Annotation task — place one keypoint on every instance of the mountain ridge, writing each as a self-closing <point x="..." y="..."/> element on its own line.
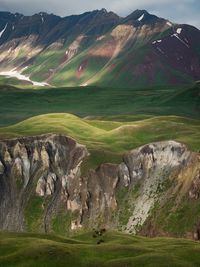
<point x="99" y="48"/>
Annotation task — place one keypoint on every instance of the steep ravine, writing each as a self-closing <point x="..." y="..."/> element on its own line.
<point x="42" y="188"/>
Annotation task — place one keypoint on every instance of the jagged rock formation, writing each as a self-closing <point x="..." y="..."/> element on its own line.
<point x="156" y="168"/>
<point x="35" y="165"/>
<point x="42" y="187"/>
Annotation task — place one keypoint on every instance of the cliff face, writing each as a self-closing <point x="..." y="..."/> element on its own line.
<point x="156" y="173"/>
<point x="35" y="166"/>
<point x="42" y="188"/>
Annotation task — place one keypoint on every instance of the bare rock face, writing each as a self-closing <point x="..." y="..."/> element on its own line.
<point x="42" y="187"/>
<point x="151" y="168"/>
<point x="34" y="166"/>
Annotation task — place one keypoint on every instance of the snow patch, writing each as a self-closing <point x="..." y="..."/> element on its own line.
<point x="16" y="74"/>
<point x="179" y="30"/>
<point x="157" y="41"/>
<point x="169" y="24"/>
<point x="1" y="33"/>
<point x="141" y="17"/>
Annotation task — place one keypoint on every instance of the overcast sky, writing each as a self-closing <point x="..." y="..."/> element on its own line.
<point x="181" y="11"/>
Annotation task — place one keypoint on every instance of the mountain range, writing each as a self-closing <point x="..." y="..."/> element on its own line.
<point x="98" y="48"/>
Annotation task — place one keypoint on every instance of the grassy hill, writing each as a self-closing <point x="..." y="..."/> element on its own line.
<point x="117" y="250"/>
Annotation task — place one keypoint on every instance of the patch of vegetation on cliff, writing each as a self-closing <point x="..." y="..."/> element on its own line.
<point x="180" y="220"/>
<point x="125" y="198"/>
<point x="19" y="182"/>
<point x="34" y="213"/>
<point x="61" y="223"/>
<point x="124" y="212"/>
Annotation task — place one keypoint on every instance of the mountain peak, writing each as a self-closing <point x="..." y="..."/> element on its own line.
<point x="104" y="10"/>
<point x="136" y="15"/>
<point x="140" y="11"/>
<point x="141" y="16"/>
<point x="104" y="14"/>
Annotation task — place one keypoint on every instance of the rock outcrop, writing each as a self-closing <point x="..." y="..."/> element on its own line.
<point x="41" y="183"/>
<point x="35" y="166"/>
<point x="154" y="169"/>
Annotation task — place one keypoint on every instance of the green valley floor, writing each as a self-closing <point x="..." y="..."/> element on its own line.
<point x="116" y="250"/>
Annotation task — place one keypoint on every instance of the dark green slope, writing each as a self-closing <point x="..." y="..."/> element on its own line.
<point x="18" y="104"/>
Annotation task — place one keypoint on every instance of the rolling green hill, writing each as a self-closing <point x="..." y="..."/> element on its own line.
<point x="117" y="250"/>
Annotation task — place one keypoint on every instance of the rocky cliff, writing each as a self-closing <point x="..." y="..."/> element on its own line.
<point x="42" y="187"/>
<point x="36" y="166"/>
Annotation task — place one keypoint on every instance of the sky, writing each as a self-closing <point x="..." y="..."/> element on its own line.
<point x="179" y="11"/>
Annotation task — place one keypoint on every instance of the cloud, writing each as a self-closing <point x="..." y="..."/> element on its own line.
<point x="183" y="11"/>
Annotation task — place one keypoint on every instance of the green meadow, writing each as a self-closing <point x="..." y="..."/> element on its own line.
<point x="116" y="250"/>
